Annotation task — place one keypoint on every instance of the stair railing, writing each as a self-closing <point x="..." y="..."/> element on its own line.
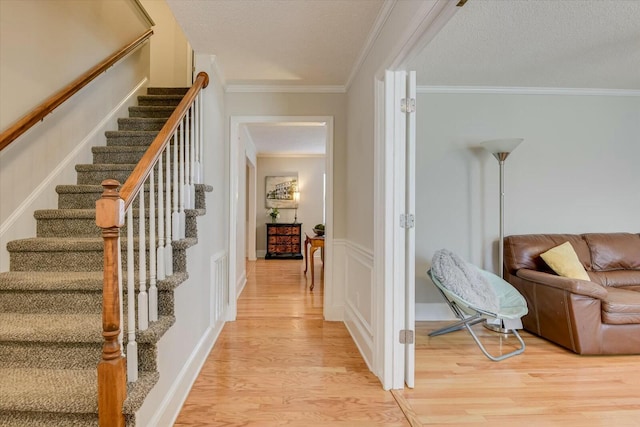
<point x="175" y="157"/>
<point x="54" y="101"/>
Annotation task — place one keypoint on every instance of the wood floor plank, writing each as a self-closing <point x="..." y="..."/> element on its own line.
<point x="280" y="364"/>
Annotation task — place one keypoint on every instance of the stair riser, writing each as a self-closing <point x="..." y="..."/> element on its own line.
<point x="141" y="124"/>
<point x="69" y="302"/>
<point x="76" y="260"/>
<point x="151" y="112"/>
<point x="88" y="200"/>
<point x="86" y="227"/>
<point x="167" y="91"/>
<point x="135" y="141"/>
<point x="48" y="355"/>
<point x="96" y="177"/>
<point x="145" y="101"/>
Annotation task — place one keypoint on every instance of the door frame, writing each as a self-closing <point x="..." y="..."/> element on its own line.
<point x="388" y="282"/>
<point x="235" y="193"/>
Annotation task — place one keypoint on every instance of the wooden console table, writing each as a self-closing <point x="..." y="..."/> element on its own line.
<point x="284" y="241"/>
<point x="315" y="242"/>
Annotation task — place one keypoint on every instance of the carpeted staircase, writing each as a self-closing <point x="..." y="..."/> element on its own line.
<point x="51" y="300"/>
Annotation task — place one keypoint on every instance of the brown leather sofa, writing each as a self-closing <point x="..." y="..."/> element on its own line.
<point x="601" y="316"/>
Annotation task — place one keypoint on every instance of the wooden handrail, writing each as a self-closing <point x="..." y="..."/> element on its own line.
<point x="137" y="178"/>
<point x="110" y="210"/>
<point x="39" y="113"/>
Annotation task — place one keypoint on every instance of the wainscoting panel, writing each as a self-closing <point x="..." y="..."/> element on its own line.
<point x="358" y="287"/>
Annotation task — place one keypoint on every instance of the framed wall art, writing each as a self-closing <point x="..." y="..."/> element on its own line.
<point x="279" y="191"/>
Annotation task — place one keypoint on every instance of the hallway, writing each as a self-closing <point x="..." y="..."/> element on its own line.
<point x="279" y="363"/>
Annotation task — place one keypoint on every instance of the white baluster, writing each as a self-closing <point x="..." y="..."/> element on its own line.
<point x="192" y="159"/>
<point x="197" y="176"/>
<point x="201" y="138"/>
<point x="120" y="291"/>
<point x="153" y="290"/>
<point x="160" y="253"/>
<point x="182" y="221"/>
<point x="132" y="345"/>
<point x="187" y="153"/>
<point x="143" y="307"/>
<point x="175" y="217"/>
<point x="168" y="249"/>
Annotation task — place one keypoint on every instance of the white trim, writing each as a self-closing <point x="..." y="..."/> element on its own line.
<point x="381" y="19"/>
<point x="528" y="90"/>
<point x="170" y="407"/>
<point x="433" y="311"/>
<point x="64" y="164"/>
<point x="240" y="283"/>
<point x="290" y="155"/>
<point x="231" y="88"/>
<point x="261" y="253"/>
<point x="234" y="133"/>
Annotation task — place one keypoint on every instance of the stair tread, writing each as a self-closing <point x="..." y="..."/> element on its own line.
<point x="119" y="149"/>
<point x="129" y="133"/>
<point x="49" y="390"/>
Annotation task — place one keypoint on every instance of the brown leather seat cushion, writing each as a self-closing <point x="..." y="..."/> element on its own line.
<point x="621" y="306"/>
<point x="617" y="278"/>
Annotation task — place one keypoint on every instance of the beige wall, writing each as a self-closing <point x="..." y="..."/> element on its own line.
<point x="44" y="45"/>
<point x="310" y="172"/>
<point x="304" y="104"/>
<point x="170" y="51"/>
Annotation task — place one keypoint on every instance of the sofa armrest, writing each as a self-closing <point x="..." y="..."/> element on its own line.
<point x="575" y="286"/>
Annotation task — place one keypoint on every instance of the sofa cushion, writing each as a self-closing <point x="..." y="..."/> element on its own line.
<point x="564" y="261"/>
<point x="621" y="306"/>
<point x="617" y="278"/>
<point x="614" y="251"/>
<point x="523" y="251"/>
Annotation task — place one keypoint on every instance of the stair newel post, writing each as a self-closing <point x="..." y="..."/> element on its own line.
<point x="153" y="290"/>
<point x="112" y="385"/>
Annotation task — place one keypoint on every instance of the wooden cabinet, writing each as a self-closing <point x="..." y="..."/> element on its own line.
<point x="284" y="241"/>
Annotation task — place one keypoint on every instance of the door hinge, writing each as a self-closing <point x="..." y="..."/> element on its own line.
<point x="408" y="107"/>
<point x="407" y="221"/>
<point x="406" y="336"/>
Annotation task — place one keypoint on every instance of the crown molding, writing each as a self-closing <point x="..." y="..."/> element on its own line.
<point x="230" y="88"/>
<point x="290" y="155"/>
<point x="527" y="90"/>
<point x="381" y="19"/>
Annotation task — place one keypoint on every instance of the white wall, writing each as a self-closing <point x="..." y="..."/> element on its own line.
<point x="576" y="171"/>
<point x="185" y="346"/>
<point x="310" y="172"/>
<point x="34" y="35"/>
<point x="170" y="50"/>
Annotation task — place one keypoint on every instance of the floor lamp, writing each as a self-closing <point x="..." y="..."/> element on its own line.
<point x="501" y="148"/>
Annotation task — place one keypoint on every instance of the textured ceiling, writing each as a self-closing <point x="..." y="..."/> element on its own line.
<point x="280" y="42"/>
<point x="536" y="43"/>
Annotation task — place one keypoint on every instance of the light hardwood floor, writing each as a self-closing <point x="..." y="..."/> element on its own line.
<point x="281" y="364"/>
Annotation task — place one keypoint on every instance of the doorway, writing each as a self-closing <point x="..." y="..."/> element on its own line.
<point x="245" y="188"/>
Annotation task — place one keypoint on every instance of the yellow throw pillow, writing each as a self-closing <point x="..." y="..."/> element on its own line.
<point x="564" y="261"/>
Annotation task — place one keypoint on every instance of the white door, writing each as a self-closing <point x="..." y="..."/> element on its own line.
<point x="400" y="130"/>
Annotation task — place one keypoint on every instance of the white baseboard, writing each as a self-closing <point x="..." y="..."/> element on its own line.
<point x="433" y="312"/>
<point x="171" y="405"/>
<point x="260" y="253"/>
<point x="240" y="284"/>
